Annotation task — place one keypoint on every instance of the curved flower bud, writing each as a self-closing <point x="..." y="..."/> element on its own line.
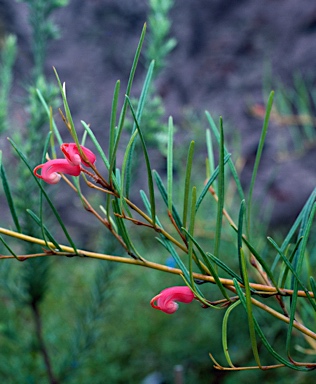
<point x="50" y="168"/>
<point x="166" y="300"/>
<point x="71" y="152"/>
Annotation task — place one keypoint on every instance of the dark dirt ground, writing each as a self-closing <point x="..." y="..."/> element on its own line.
<point x="218" y="65"/>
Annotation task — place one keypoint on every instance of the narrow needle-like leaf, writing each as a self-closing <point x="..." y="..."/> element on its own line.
<point x="52" y="121"/>
<point x="25" y="161"/>
<point x="251" y="324"/>
<point x="40" y="224"/>
<point x="264" y="340"/>
<point x="240" y="235"/>
<point x="164" y="195"/>
<point x="124" y="108"/>
<point x="170" y="163"/>
<point x="224" y="332"/>
<point x="210" y="152"/>
<point x="187" y="183"/>
<point x="149" y="172"/>
<point x="8" y="195"/>
<point x="209" y="183"/>
<point x="8" y="247"/>
<point x="258" y="158"/>
<point x="221" y="192"/>
<point x="139" y="112"/>
<point x="294" y="272"/>
<point x="191" y="232"/>
<point x="70" y="123"/>
<point x="307" y="224"/>
<point x="113" y="119"/>
<point x="230" y="162"/>
<point x="208" y="265"/>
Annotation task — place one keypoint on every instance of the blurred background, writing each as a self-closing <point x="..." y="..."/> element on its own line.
<point x="225" y="52"/>
<point x="225" y="58"/>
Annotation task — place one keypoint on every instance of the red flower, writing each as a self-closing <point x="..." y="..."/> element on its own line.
<point x="166" y="300"/>
<point x="70" y="166"/>
<point x="51" y="169"/>
<point x="71" y="152"/>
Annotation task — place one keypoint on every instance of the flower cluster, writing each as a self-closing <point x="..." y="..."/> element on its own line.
<point x="166" y="300"/>
<point x="71" y="165"/>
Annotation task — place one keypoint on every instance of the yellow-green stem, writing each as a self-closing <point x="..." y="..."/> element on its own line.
<point x="259" y="288"/>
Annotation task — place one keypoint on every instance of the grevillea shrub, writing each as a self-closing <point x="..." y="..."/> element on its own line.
<point x="274" y="286"/>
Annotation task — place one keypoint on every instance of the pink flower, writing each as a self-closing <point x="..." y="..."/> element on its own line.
<point x="166" y="300"/>
<point x="51" y="169"/>
<point x="71" y="152"/>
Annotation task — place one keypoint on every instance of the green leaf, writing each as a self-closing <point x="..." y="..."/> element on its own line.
<point x="209" y="265"/>
<point x="209" y="183"/>
<point x="258" y="158"/>
<point x="170" y="163"/>
<point x="240" y="235"/>
<point x="144" y="93"/>
<point x="124" y="108"/>
<point x="169" y="247"/>
<point x="112" y="135"/>
<point x="41" y="221"/>
<point x="242" y="239"/>
<point x="56" y="214"/>
<point x="8" y="195"/>
<point x="264" y="340"/>
<point x="8" y="247"/>
<point x="164" y="195"/>
<point x="123" y="231"/>
<point x="84" y="138"/>
<point x="307" y="219"/>
<point x="224" y="332"/>
<point x="313" y="286"/>
<point x="69" y="123"/>
<point x="224" y="267"/>
<point x="48" y="234"/>
<point x="102" y="154"/>
<point x="139" y="113"/>
<point x="187" y="183"/>
<point x="298" y="264"/>
<point x="76" y="182"/>
<point x="148" y="206"/>
<point x="186" y="274"/>
<point x="230" y="162"/>
<point x="284" y="275"/>
<point x="49" y="114"/>
<point x="303" y="105"/>
<point x="294" y="227"/>
<point x="125" y="162"/>
<point x="149" y="172"/>
<point x="221" y="192"/>
<point x="191" y="233"/>
<point x="71" y="126"/>
<point x="210" y="152"/>
<point x="295" y="274"/>
<point x="51" y="129"/>
<point x="262" y="262"/>
<point x="251" y="323"/>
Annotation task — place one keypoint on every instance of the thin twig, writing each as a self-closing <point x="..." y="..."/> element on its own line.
<point x="66" y="250"/>
<point x="89" y="208"/>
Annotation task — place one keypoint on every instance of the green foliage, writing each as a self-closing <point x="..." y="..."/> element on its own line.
<point x="75" y="318"/>
<point x="293" y="114"/>
<point x="159" y="44"/>
<point x="43" y="29"/>
<point x="8" y="55"/>
<point x="178" y="240"/>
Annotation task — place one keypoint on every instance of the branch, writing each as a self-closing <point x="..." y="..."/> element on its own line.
<point x="69" y="251"/>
